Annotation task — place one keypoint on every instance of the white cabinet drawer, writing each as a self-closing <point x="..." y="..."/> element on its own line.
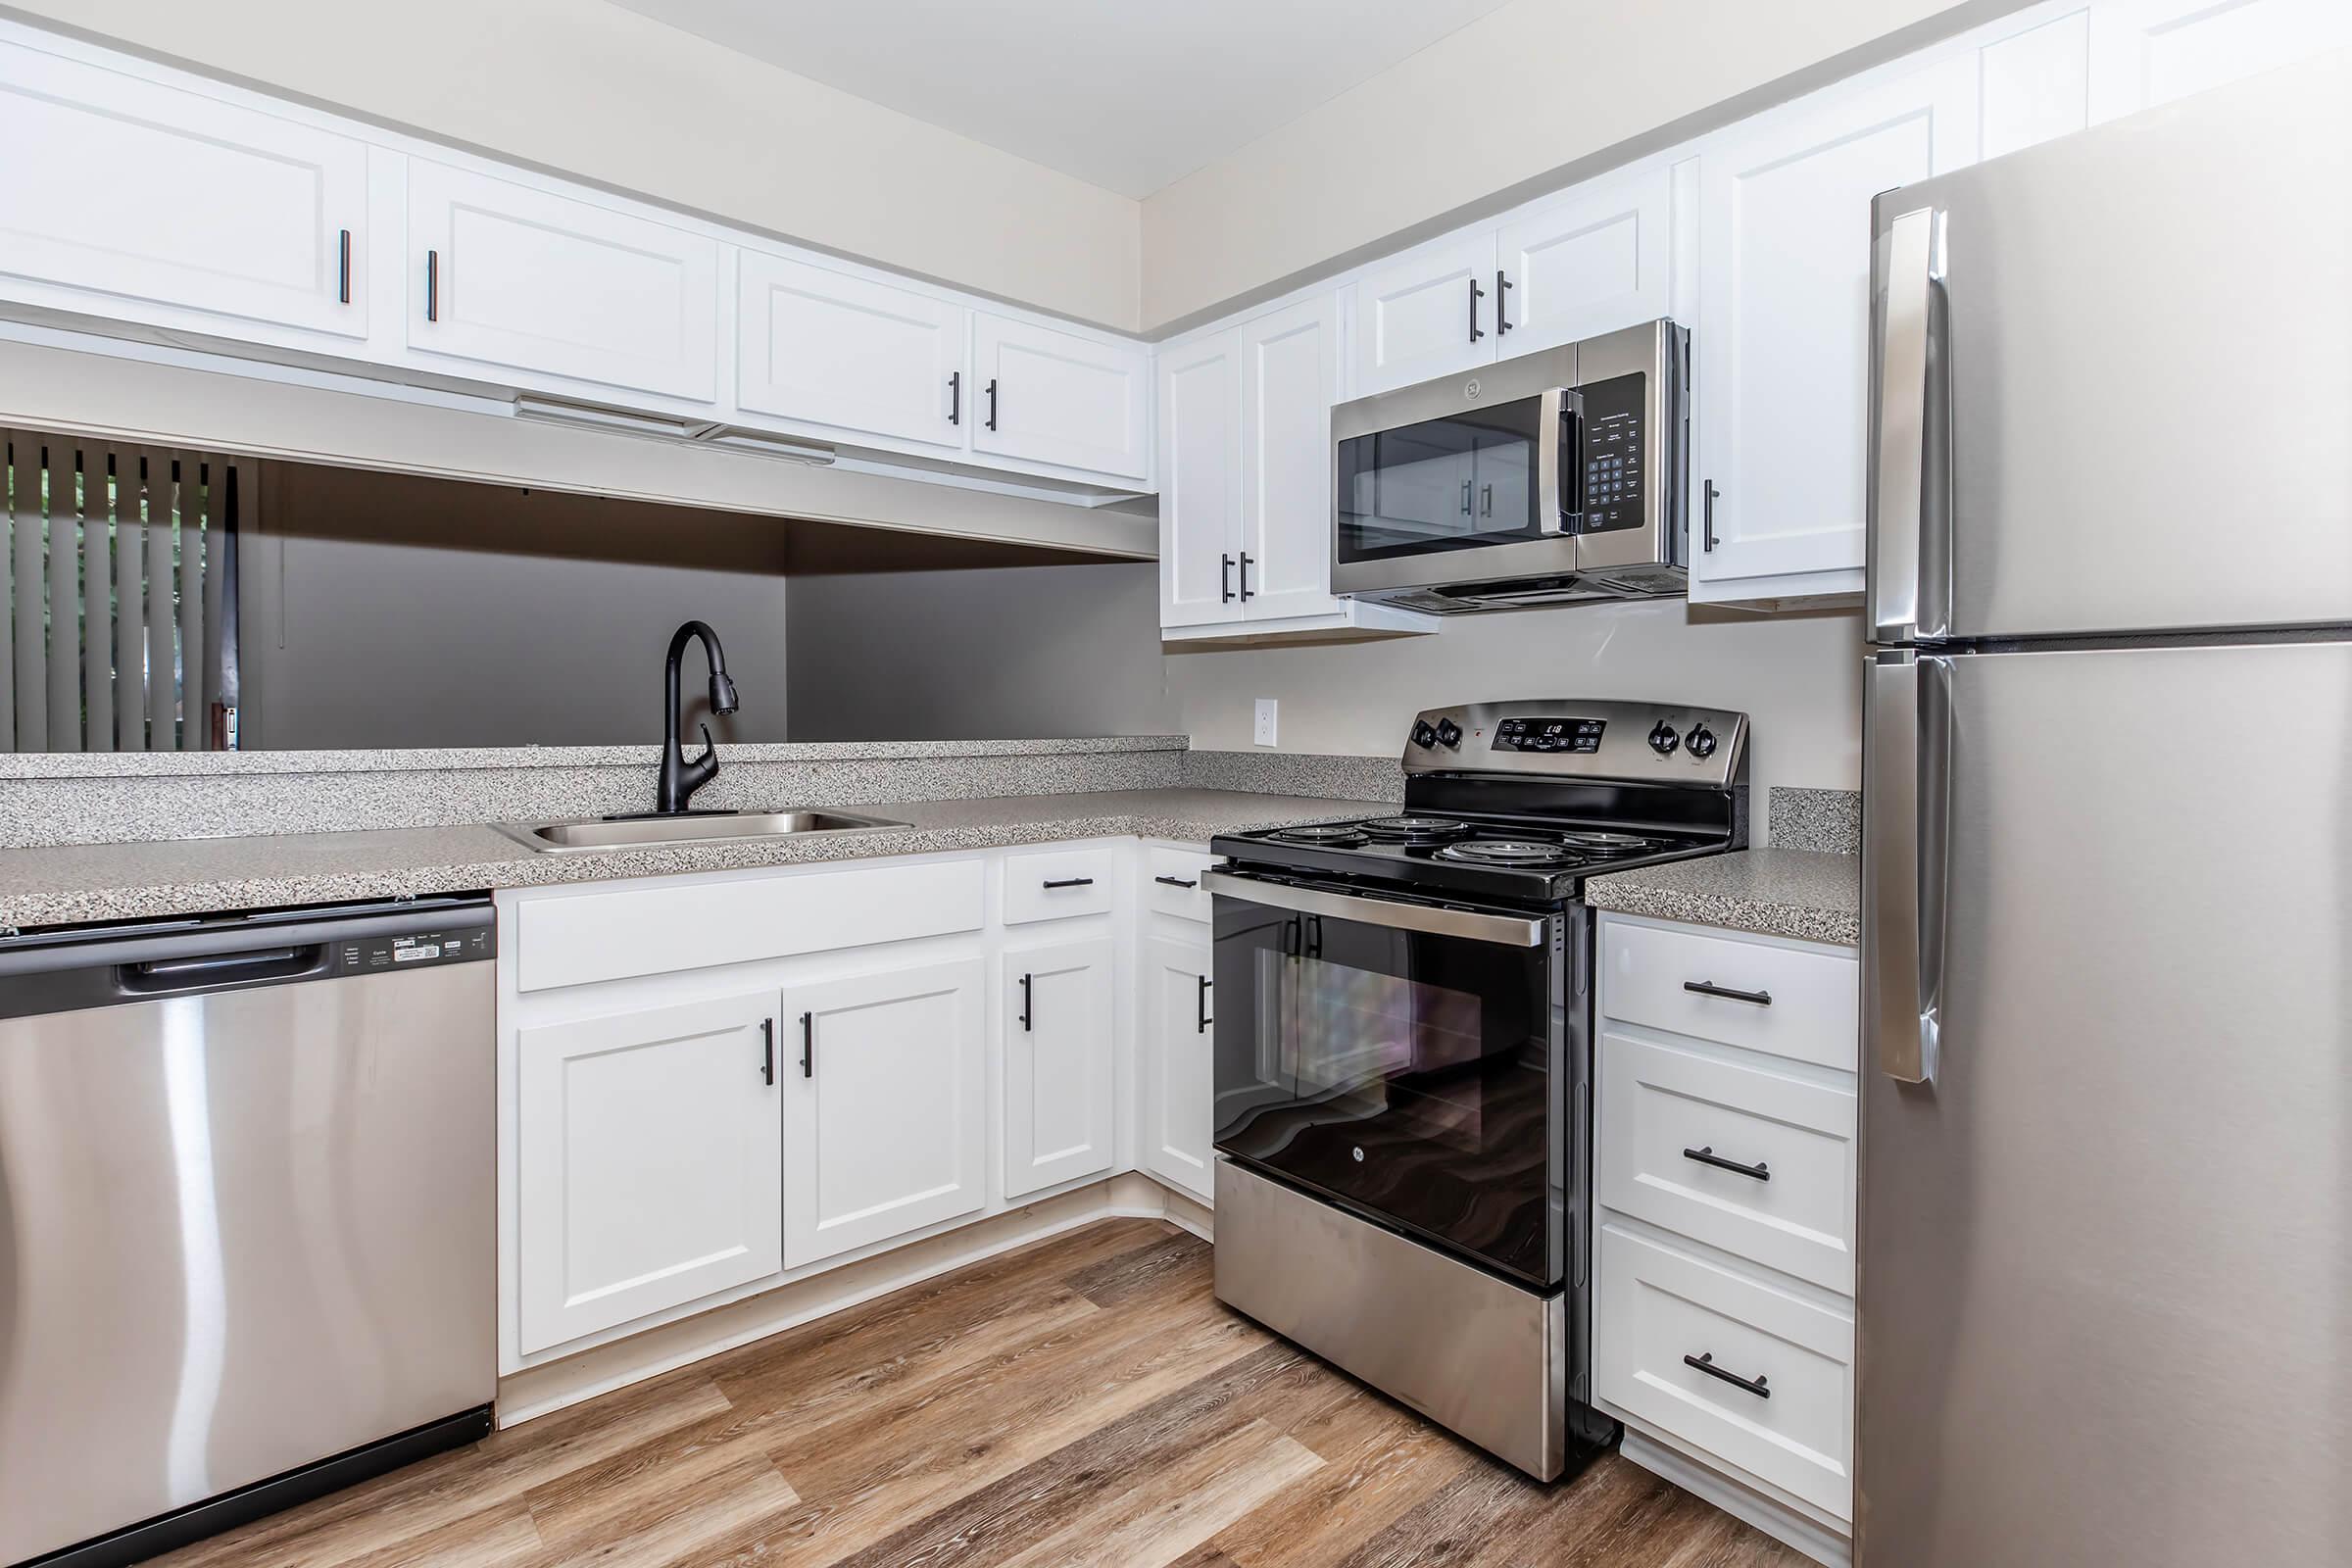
<point x="1666" y="1114"/>
<point x="578" y="938"/>
<point x="1793" y="1004"/>
<point x="1172" y="881"/>
<point x="1053" y="884"/>
<point x="1659" y="1310"/>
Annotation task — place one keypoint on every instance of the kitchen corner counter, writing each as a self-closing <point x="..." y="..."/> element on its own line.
<point x="65" y="884"/>
<point x="1809" y="894"/>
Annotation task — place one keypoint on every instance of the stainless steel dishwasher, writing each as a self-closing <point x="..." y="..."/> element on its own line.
<point x="247" y="1235"/>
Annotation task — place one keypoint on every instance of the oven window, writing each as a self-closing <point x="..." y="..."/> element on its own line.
<point x="1410" y="1076"/>
<point x="1456" y="483"/>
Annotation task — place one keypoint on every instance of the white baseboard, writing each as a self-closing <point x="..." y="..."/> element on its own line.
<point x="1776" y="1519"/>
<point x="542" y="1390"/>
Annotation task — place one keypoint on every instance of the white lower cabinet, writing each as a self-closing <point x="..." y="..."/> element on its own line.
<point x="1177" y="1011"/>
<point x="1060" y="1065"/>
<point x="646" y="1150"/>
<point x="885" y="1105"/>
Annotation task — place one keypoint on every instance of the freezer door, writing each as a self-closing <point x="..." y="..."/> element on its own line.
<point x="2105" y="1279"/>
<point x="2112" y="377"/>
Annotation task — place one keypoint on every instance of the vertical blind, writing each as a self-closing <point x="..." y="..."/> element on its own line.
<point x="115" y="558"/>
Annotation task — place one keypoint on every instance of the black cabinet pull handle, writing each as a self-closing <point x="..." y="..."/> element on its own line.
<point x="1201" y="1006"/>
<point x="807" y="1045"/>
<point x="1708" y="988"/>
<point x="767" y="1052"/>
<point x="1245" y="576"/>
<point x="1708" y="1156"/>
<point x="992" y="403"/>
<point x="1225" y="583"/>
<point x="432" y="285"/>
<point x="343" y="270"/>
<point x="1707" y="527"/>
<point x="1070" y="882"/>
<point x="1476" y="294"/>
<point x="1486" y="500"/>
<point x="954" y="397"/>
<point x="1502" y="306"/>
<point x="1176" y="882"/>
<point x="1465" y="498"/>
<point x="1028" y="1001"/>
<point x="1706" y="1363"/>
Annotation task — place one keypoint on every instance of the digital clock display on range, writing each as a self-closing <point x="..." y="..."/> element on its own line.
<point x="1549" y="734"/>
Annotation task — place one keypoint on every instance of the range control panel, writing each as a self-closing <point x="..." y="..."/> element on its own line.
<point x="419" y="950"/>
<point x="1613" y="479"/>
<point x="1521" y="734"/>
<point x="1569" y="738"/>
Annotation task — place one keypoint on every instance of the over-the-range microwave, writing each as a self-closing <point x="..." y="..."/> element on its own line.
<point x="1558" y="476"/>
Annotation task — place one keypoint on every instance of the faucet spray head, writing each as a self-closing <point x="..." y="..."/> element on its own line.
<point x="723" y="693"/>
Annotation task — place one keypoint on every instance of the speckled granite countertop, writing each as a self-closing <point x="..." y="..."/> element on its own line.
<point x="79" y="882"/>
<point x="1806" y="894"/>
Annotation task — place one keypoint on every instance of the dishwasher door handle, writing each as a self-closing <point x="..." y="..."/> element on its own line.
<point x="164" y="977"/>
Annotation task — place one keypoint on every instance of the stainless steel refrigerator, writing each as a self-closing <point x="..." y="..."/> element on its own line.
<point x="2105" y="1286"/>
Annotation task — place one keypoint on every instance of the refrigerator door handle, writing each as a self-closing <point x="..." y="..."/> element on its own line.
<point x="1906" y="771"/>
<point x="1906" y="586"/>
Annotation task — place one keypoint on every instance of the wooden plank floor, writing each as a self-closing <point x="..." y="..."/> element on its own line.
<point x="1084" y="1401"/>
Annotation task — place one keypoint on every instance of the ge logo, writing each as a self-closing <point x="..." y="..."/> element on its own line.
<point x="1471" y="390"/>
<point x="1360" y="1155"/>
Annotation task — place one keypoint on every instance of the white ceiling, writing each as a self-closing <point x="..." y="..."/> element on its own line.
<point x="1126" y="94"/>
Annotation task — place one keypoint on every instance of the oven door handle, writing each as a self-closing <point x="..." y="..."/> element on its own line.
<point x="1504" y="930"/>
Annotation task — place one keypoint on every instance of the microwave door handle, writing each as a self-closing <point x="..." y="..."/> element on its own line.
<point x="1391" y="914"/>
<point x="1906" y="771"/>
<point x="1558" y="425"/>
<point x="1909" y="516"/>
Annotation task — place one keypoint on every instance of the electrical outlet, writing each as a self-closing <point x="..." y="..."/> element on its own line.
<point x="1263" y="734"/>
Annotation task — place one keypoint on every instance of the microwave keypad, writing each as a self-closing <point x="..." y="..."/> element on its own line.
<point x="1613" y="493"/>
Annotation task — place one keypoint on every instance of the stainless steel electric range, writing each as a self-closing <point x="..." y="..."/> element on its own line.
<point x="1405" y="1055"/>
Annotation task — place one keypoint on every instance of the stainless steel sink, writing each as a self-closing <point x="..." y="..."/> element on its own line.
<point x="692" y="827"/>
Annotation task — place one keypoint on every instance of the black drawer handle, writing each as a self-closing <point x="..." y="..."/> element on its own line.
<point x="1708" y="1156"/>
<point x="1706" y="1363"/>
<point x="1176" y="882"/>
<point x="1071" y="882"/>
<point x="1708" y="988"/>
<point x="1201" y="1006"/>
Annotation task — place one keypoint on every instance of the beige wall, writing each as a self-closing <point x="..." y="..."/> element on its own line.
<point x="1798" y="676"/>
<point x="1523" y="100"/>
<point x="591" y="90"/>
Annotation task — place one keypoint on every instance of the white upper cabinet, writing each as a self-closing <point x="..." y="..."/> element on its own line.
<point x="826" y="348"/>
<point x="2149" y="52"/>
<point x="1289" y="379"/>
<point x="1599" y="259"/>
<point x="1199" y="481"/>
<point x="511" y="276"/>
<point x="127" y="198"/>
<point x="647" y="1146"/>
<point x="1052" y="397"/>
<point x="886" y="1105"/>
<point x="1427" y="314"/>
<point x="1060" y="1054"/>
<point x="1782" y="339"/>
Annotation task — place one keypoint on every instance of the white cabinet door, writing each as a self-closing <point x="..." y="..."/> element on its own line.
<point x="519" y="278"/>
<point x="1055" y="396"/>
<point x="2149" y="52"/>
<point x="1060" y="1044"/>
<point x="1178" y="1013"/>
<point x="1199" y="481"/>
<point x="823" y="347"/>
<point x="1783" y="344"/>
<point x="1599" y="258"/>
<point x="1429" y="313"/>
<point x="885" y="1105"/>
<point x="649" y="1159"/>
<point x="1290" y="380"/>
<point x="126" y="198"/>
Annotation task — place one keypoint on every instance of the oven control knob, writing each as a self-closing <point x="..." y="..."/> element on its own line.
<point x="1449" y="733"/>
<point x="1663" y="740"/>
<point x="1423" y="736"/>
<point x="1700" y="740"/>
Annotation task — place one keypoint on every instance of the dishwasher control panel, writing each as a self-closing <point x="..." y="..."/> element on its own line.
<point x="416" y="950"/>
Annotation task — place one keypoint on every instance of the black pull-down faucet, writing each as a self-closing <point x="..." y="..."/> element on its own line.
<point x="681" y="775"/>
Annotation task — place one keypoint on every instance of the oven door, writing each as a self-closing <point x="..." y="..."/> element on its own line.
<point x="1406" y="1060"/>
<point x="1444" y="491"/>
